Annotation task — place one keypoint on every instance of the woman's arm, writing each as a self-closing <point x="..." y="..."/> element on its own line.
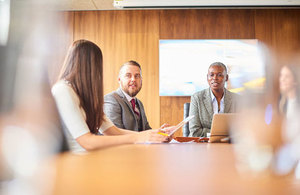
<point x="90" y="141"/>
<point x="117" y="131"/>
<point x="74" y="119"/>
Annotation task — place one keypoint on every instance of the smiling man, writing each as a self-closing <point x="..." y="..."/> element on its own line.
<point x="215" y="99"/>
<point x="121" y="106"/>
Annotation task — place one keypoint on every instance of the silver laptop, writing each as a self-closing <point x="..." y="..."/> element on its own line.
<point x="220" y="126"/>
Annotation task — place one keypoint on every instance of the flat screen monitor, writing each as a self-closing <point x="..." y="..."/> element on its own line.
<point x="183" y="64"/>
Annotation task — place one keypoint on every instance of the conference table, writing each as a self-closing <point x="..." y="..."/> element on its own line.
<point x="179" y="168"/>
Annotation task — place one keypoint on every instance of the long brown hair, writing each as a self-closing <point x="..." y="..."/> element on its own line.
<point x="83" y="70"/>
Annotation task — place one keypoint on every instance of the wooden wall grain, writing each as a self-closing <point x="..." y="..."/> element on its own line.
<point x="123" y="36"/>
<point x="134" y="34"/>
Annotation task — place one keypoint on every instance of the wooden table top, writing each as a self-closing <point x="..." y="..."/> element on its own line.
<point x="199" y="168"/>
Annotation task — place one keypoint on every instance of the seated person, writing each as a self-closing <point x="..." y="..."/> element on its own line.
<point x="215" y="99"/>
<point x="289" y="101"/>
<point x="79" y="98"/>
<point x="287" y="156"/>
<point x="121" y="106"/>
<point x="289" y="92"/>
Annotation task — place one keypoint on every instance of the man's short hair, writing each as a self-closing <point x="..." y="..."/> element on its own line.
<point x="131" y="62"/>
<point x="218" y="64"/>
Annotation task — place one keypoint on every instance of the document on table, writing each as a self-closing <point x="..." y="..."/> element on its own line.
<point x="173" y="141"/>
<point x="179" y="125"/>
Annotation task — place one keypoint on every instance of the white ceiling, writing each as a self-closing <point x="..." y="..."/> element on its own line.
<point x="108" y="4"/>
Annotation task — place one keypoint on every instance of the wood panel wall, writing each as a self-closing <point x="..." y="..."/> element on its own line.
<point x="123" y="36"/>
<point x="134" y="34"/>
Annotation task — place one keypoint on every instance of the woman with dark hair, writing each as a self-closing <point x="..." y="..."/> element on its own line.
<point x="287" y="156"/>
<point x="289" y="102"/>
<point x="79" y="98"/>
<point x="289" y="90"/>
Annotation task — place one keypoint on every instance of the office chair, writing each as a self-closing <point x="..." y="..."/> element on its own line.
<point x="185" y="128"/>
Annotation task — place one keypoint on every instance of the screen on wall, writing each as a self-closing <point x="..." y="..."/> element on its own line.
<point x="183" y="64"/>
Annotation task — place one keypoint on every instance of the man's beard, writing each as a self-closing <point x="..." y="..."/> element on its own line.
<point x="131" y="93"/>
<point x="134" y="93"/>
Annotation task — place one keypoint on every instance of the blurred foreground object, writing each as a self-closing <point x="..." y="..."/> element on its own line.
<point x="257" y="135"/>
<point x="4" y="22"/>
<point x="267" y="134"/>
<point x="289" y="105"/>
<point x="30" y="130"/>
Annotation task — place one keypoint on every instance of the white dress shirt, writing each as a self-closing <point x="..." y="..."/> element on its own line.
<point x="129" y="98"/>
<point x="215" y="103"/>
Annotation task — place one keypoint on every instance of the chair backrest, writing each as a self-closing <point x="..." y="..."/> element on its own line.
<point x="185" y="128"/>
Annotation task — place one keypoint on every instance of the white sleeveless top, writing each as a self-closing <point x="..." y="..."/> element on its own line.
<point x="72" y="115"/>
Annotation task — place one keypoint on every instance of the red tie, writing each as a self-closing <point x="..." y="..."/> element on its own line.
<point x="133" y="107"/>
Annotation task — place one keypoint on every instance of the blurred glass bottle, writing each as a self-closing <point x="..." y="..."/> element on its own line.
<point x="267" y="130"/>
<point x="289" y="104"/>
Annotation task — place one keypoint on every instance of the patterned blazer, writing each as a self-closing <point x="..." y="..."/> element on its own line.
<point x="201" y="106"/>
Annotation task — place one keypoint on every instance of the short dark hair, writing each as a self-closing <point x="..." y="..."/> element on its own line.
<point x="131" y="62"/>
<point x="218" y="64"/>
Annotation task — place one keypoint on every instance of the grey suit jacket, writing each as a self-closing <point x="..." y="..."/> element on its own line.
<point x="119" y="110"/>
<point x="201" y="107"/>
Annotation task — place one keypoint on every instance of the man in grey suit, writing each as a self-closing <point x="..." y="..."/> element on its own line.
<point x="215" y="99"/>
<point x="121" y="106"/>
